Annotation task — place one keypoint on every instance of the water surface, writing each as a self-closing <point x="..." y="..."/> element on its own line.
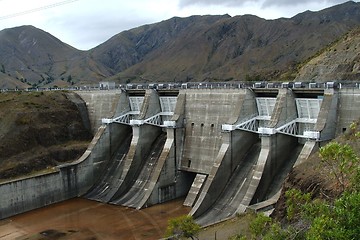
<point x="82" y="219"/>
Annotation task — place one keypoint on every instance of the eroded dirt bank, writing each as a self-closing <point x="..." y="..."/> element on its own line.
<point x="39" y="130"/>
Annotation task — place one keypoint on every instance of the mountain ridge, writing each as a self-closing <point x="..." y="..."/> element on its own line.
<point x="195" y="48"/>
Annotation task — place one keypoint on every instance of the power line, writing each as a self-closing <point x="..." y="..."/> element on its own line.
<point x="37" y="9"/>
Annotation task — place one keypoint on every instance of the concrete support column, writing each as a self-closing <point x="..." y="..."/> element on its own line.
<point x="265" y="155"/>
<point x="123" y="104"/>
<point x="284" y="110"/>
<point x="327" y="119"/>
<point x="151" y="105"/>
<point x="164" y="184"/>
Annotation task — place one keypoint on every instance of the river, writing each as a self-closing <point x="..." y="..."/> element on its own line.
<point x="82" y="219"/>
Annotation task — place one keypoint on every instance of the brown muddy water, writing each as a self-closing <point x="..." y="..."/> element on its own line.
<point x="82" y="219"/>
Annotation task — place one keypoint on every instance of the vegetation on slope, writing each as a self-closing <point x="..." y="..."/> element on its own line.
<point x="39" y="130"/>
<point x="182" y="227"/>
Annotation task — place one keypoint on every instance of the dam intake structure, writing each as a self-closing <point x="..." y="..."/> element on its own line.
<point x="223" y="150"/>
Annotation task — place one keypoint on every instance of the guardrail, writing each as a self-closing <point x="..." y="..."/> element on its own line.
<point x="202" y="85"/>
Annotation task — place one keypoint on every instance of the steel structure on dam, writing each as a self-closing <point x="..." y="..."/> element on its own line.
<point x="223" y="149"/>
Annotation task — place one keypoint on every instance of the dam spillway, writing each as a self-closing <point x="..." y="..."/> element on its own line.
<point x="222" y="149"/>
<point x="227" y="146"/>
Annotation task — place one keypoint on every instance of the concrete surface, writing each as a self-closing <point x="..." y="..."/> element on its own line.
<point x="195" y="152"/>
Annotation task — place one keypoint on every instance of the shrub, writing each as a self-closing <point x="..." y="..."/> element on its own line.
<point x="183" y="226"/>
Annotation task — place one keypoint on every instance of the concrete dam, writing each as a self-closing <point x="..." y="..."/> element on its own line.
<point x="223" y="150"/>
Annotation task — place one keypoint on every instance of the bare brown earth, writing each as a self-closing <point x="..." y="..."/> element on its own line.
<point x="38" y="130"/>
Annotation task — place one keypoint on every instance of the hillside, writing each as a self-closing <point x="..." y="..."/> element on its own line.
<point x="30" y="57"/>
<point x="39" y="130"/>
<point x="245" y="47"/>
<point x="131" y="47"/>
<point x="196" y="48"/>
<point x="340" y="61"/>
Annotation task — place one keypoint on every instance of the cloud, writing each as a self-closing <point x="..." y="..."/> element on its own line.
<point x="96" y="23"/>
<point x="260" y="3"/>
<point x="93" y="30"/>
<point x="87" y="23"/>
<point x="282" y="3"/>
<point x="227" y="3"/>
<point x="90" y="27"/>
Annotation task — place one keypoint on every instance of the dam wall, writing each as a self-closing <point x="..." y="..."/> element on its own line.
<point x="223" y="149"/>
<point x="234" y="146"/>
<point x="62" y="183"/>
<point x="205" y="111"/>
<point x="100" y="105"/>
<point x="348" y="108"/>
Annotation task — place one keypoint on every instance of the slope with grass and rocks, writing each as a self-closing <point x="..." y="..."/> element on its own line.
<point x="339" y="61"/>
<point x="39" y="130"/>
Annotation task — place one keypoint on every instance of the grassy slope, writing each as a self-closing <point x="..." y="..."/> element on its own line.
<point x="38" y="130"/>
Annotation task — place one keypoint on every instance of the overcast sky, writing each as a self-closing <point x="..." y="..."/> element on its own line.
<point x="85" y="24"/>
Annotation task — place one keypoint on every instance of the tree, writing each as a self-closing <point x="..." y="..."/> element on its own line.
<point x="342" y="161"/>
<point x="183" y="226"/>
<point x="341" y="222"/>
<point x="260" y="225"/>
<point x="295" y="199"/>
<point x="266" y="228"/>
